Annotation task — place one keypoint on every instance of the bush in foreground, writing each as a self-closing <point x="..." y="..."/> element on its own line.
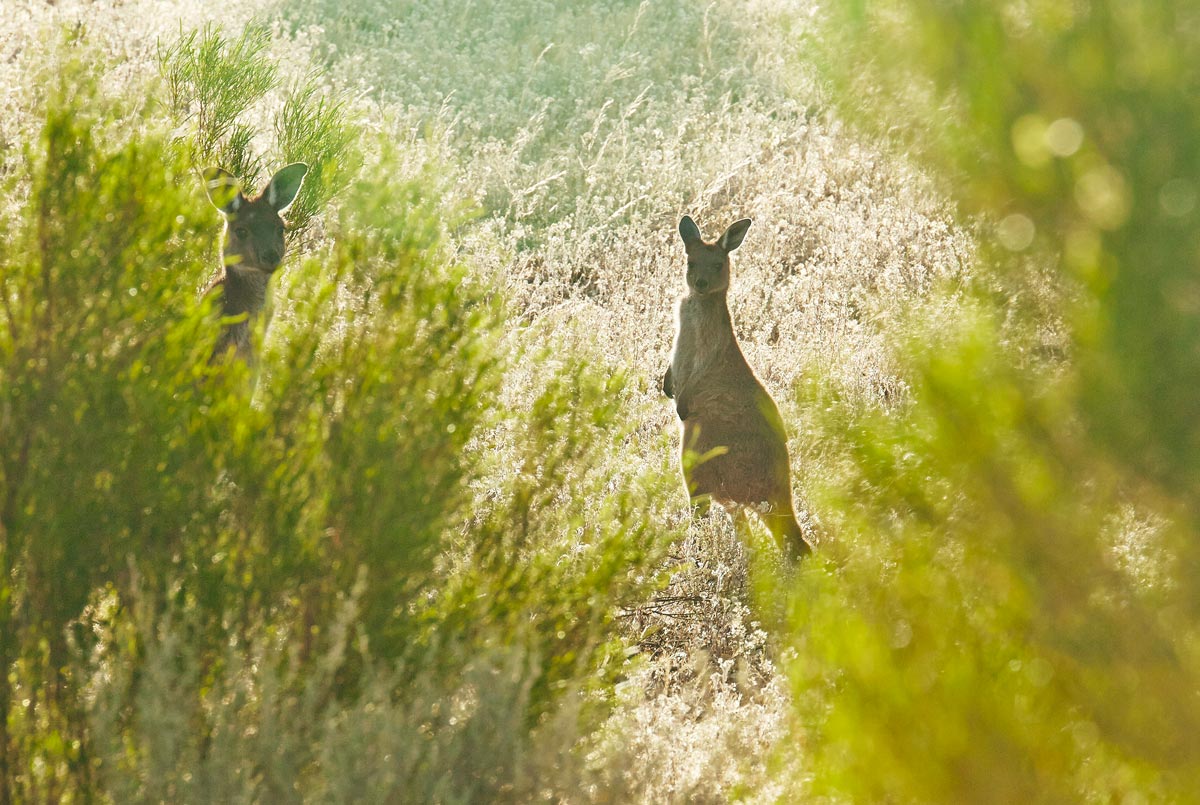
<point x="274" y="584"/>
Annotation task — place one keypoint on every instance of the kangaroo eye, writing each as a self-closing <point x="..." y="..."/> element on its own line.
<point x="241" y="232"/>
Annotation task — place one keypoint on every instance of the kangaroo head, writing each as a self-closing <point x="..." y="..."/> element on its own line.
<point x="708" y="263"/>
<point x="253" y="228"/>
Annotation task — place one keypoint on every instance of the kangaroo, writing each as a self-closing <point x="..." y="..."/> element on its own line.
<point x="251" y="250"/>
<point x="727" y="415"/>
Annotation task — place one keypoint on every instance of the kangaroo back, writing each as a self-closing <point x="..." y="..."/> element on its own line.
<point x="726" y="413"/>
<point x="251" y="248"/>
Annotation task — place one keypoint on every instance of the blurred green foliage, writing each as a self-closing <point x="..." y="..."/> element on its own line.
<point x="100" y="370"/>
<point x="1079" y="118"/>
<point x="1011" y="609"/>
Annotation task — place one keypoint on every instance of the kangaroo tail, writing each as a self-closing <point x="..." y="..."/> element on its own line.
<point x="787" y="532"/>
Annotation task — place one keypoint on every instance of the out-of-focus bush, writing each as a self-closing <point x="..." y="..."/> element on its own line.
<point x="105" y="409"/>
<point x="1073" y="126"/>
<point x="1009" y="610"/>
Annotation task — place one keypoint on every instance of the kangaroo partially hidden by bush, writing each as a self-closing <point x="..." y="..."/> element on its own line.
<point x="730" y="423"/>
<point x="251" y="250"/>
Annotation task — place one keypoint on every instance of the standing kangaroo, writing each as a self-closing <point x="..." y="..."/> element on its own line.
<point x="727" y="415"/>
<point x="251" y="250"/>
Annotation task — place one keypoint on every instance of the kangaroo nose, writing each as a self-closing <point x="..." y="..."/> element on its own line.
<point x="702" y="285"/>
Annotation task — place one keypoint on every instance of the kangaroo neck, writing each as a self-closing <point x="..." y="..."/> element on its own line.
<point x="711" y="317"/>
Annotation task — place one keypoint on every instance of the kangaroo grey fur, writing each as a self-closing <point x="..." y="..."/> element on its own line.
<point x="730" y="423"/>
<point x="251" y="250"/>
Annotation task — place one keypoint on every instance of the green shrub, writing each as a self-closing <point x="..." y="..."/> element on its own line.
<point x="320" y="579"/>
<point x="1008" y="612"/>
<point x="311" y="127"/>
<point x="211" y="83"/>
<point x="101" y="370"/>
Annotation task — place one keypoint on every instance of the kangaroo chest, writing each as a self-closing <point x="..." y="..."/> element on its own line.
<point x="705" y="347"/>
<point x="244" y="291"/>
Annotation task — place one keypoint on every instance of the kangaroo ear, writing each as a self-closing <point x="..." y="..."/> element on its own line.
<point x="688" y="229"/>
<point x="733" y="235"/>
<point x="284" y="186"/>
<point x="223" y="190"/>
